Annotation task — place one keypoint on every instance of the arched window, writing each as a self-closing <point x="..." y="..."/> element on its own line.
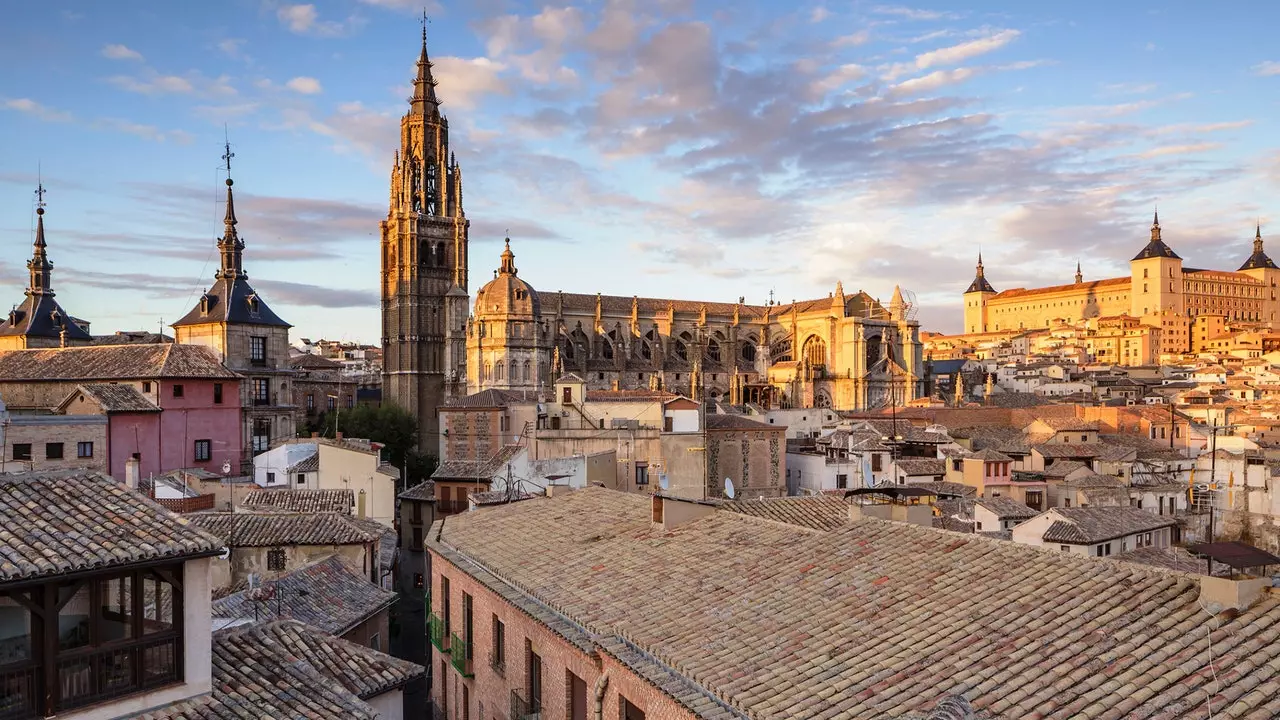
<point x="748" y="352"/>
<point x="498" y="371"/>
<point x="488" y="372"/>
<point x="524" y="372"/>
<point x="646" y="351"/>
<point x="713" y="350"/>
<point x="681" y="351"/>
<point x="606" y="349"/>
<point x="426" y="257"/>
<point x="815" y="350"/>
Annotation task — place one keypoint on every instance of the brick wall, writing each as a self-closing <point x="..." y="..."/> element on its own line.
<point x="488" y="691"/>
<point x="472" y="434"/>
<point x="68" y="430"/>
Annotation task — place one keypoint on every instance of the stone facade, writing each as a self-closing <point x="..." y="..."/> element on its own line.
<point x="842" y="351"/>
<point x="424" y="265"/>
<point x="54" y="442"/>
<point x="1159" y="291"/>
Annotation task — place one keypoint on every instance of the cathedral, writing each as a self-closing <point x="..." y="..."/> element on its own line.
<point x="424" y="264"/>
<point x="1159" y="291"/>
<point x="843" y="351"/>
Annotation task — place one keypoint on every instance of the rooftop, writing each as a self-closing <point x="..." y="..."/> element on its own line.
<point x="115" y="398"/>
<point x="273" y="529"/>
<point x="1006" y="508"/>
<point x="874" y="619"/>
<point x="303" y="501"/>
<point x="817" y="512"/>
<point x="327" y="594"/>
<point x="53" y="523"/>
<point x="112" y="362"/>
<point x="1088" y="525"/>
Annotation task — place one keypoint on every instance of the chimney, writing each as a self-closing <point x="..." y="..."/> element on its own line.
<point x="360" y="504"/>
<point x="1218" y="594"/>
<point x="131" y="472"/>
<point x="315" y="435"/>
<point x="337" y="435"/>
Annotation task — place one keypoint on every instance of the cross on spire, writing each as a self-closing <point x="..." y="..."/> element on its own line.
<point x="425" y="21"/>
<point x="40" y="191"/>
<point x="227" y="155"/>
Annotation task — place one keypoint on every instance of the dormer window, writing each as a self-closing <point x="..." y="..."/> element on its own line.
<point x="205" y="304"/>
<point x="254" y="306"/>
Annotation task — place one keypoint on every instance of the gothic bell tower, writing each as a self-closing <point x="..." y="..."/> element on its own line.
<point x="424" y="266"/>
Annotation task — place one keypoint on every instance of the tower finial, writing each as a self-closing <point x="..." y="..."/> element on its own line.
<point x="227" y="154"/>
<point x="1079" y="275"/>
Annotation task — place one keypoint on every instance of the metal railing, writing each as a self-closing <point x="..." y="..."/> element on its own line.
<point x="435" y="629"/>
<point x="18" y="700"/>
<point x="522" y="709"/>
<point x="460" y="655"/>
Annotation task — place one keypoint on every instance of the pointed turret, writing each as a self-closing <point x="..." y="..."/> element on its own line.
<point x="40" y="268"/>
<point x="1079" y="275"/>
<point x="230" y="246"/>
<point x="897" y="307"/>
<point x="1258" y="260"/>
<point x="424" y="100"/>
<point x="1156" y="247"/>
<point x="980" y="283"/>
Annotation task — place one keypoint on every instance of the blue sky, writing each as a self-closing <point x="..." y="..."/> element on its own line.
<point x="702" y="150"/>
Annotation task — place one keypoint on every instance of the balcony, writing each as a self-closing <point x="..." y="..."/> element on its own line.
<point x="522" y="709"/>
<point x="18" y="699"/>
<point x="435" y="629"/>
<point x="460" y="651"/>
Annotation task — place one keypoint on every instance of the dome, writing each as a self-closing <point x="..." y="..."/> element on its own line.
<point x="507" y="294"/>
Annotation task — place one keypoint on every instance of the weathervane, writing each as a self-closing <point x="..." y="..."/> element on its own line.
<point x="40" y="191"/>
<point x="425" y="21"/>
<point x="226" y="156"/>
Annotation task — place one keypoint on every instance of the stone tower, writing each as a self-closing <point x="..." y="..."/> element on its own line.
<point x="975" y="301"/>
<point x="424" y="266"/>
<point x="1261" y="268"/>
<point x="1156" y="278"/>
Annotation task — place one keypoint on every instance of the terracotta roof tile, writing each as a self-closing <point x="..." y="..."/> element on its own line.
<point x="872" y="620"/>
<point x="54" y="523"/>
<point x="272" y="529"/>
<point x="116" y="398"/>
<point x="303" y="501"/>
<point x="1098" y="524"/>
<point x="112" y="362"/>
<point x="327" y="594"/>
<point x="818" y="512"/>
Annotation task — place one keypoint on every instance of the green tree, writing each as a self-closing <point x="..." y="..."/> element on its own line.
<point x="392" y="426"/>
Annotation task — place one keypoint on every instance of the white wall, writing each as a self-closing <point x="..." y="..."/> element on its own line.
<point x="388" y="705"/>
<point x="800" y="422"/>
<point x="683" y="420"/>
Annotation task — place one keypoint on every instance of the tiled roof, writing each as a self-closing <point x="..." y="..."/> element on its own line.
<point x="1062" y="468"/>
<point x="990" y="455"/>
<point x="817" y="512"/>
<point x="1061" y="423"/>
<point x="112" y="362"/>
<point x="1172" y="558"/>
<point x="286" y="670"/>
<point x="872" y="620"/>
<point x="304" y="501"/>
<point x="425" y="490"/>
<point x="943" y="489"/>
<point x="910" y="433"/>
<point x="308" y="464"/>
<point x="618" y="305"/>
<point x="116" y="398"/>
<point x="493" y="398"/>
<point x="327" y="594"/>
<point x="1075" y="287"/>
<point x="272" y="529"/>
<point x="719" y="421"/>
<point x="1083" y="526"/>
<point x="311" y="361"/>
<point x="922" y="466"/>
<point x="54" y="523"/>
<point x="497" y="497"/>
<point x="637" y="395"/>
<point x="476" y="470"/>
<point x="1094" y="480"/>
<point x="228" y="301"/>
<point x="1069" y="450"/>
<point x="1006" y="508"/>
<point x="40" y="315"/>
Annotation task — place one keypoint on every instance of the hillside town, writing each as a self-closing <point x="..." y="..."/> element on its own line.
<point x="522" y="504"/>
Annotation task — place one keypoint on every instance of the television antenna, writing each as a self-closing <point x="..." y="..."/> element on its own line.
<point x="910" y="308"/>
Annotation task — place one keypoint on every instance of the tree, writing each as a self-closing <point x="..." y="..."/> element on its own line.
<point x="392" y="426"/>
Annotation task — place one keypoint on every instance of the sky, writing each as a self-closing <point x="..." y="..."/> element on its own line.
<point x="666" y="148"/>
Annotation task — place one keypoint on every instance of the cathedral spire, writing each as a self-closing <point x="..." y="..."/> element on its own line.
<point x="39" y="266"/>
<point x="424" y="98"/>
<point x="1079" y="275"/>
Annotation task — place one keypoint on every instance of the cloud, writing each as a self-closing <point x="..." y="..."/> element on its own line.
<point x="31" y="107"/>
<point x="146" y="132"/>
<point x="304" y="20"/>
<point x="933" y="81"/>
<point x="1267" y="69"/>
<point x="959" y="53"/>
<point x="414" y="5"/>
<point x="322" y="296"/>
<point x="837" y="79"/>
<point x="304" y="85"/>
<point x="465" y="81"/>
<point x="1128" y="88"/>
<point x="818" y="14"/>
<point x="1186" y="149"/>
<point x="233" y="48"/>
<point x="120" y="52"/>
<point x="155" y="85"/>
<point x="913" y="13"/>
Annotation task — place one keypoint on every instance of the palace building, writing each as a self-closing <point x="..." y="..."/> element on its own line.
<point x="1159" y="291"/>
<point x="841" y="351"/>
<point x="424" y="264"/>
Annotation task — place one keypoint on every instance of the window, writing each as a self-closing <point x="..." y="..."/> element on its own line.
<point x="957" y="464"/>
<point x="842" y="482"/>
<point x="877" y="462"/>
<point x="261" y="391"/>
<point x="146" y="386"/>
<point x="375" y="641"/>
<point x="258" y="350"/>
<point x="276" y="559"/>
<point x="22" y="451"/>
<point x="53" y="451"/>
<point x="302" y="478"/>
<point x="642" y="473"/>
<point x="203" y="450"/>
<point x="468" y="634"/>
<point x="261" y="435"/>
<point x="504" y="423"/>
<point x="351" y="402"/>
<point x="447" y="604"/>
<point x="331" y="402"/>
<point x="271" y="478"/>
<point x="577" y="697"/>
<point x="177" y="390"/>
<point x="498" y="654"/>
<point x="1064" y="548"/>
<point x="628" y="711"/>
<point x="417" y="540"/>
<point x="84" y="450"/>
<point x="217" y="393"/>
<point x="311" y="401"/>
<point x="418" y="580"/>
<point x="668" y="423"/>
<point x="533" y="677"/>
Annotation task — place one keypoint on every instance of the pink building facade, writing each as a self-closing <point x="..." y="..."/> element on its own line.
<point x="198" y="427"/>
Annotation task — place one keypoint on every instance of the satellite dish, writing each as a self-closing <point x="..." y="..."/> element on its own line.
<point x="728" y="488"/>
<point x="663" y="482"/>
<point x="226" y="467"/>
<point x="226" y="553"/>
